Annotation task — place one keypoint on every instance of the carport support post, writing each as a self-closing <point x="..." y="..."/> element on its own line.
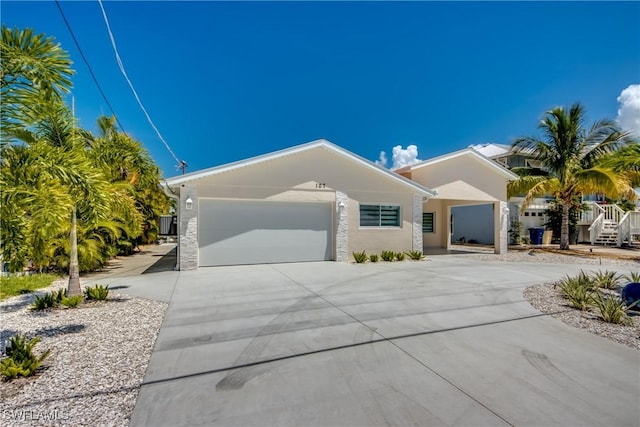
<point x="188" y="238"/>
<point x="342" y="231"/>
<point x="501" y="227"/>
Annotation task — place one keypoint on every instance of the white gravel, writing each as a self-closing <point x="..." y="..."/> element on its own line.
<point x="99" y="354"/>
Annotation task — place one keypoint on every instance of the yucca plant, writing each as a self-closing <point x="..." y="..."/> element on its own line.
<point x="606" y="279"/>
<point x="632" y="277"/>
<point x="612" y="309"/>
<point x="415" y="255"/>
<point x="59" y="295"/>
<point x="43" y="302"/>
<point x="360" y="257"/>
<point x="20" y="359"/>
<point x="72" y="301"/>
<point x="388" y="256"/>
<point x="96" y="293"/>
<point x="400" y="256"/>
<point x="373" y="258"/>
<point x="578" y="290"/>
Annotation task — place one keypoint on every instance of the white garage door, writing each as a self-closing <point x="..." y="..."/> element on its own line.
<point x="250" y="232"/>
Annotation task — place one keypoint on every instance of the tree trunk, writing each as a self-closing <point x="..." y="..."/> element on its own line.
<point x="74" y="270"/>
<point x="564" y="225"/>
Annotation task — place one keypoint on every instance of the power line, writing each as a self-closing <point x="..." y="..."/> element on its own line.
<point x="181" y="163"/>
<point x="86" y="62"/>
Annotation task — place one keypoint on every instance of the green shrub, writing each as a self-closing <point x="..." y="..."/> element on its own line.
<point x="59" y="295"/>
<point x="606" y="279"/>
<point x="373" y="258"/>
<point x="360" y="257"/>
<point x="96" y="293"/>
<point x="72" y="302"/>
<point x="400" y="256"/>
<point x="44" y="302"/>
<point x="20" y="359"/>
<point x="578" y="290"/>
<point x="632" y="277"/>
<point x="388" y="255"/>
<point x="612" y="309"/>
<point x="415" y="255"/>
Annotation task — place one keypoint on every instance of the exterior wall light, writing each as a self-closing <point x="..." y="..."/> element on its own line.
<point x="341" y="205"/>
<point x="188" y="203"/>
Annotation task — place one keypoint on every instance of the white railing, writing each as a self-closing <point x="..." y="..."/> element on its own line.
<point x="612" y="213"/>
<point x="628" y="226"/>
<point x="596" y="228"/>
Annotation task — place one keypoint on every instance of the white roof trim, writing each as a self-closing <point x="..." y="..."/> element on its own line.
<point x="465" y="152"/>
<point x="323" y="143"/>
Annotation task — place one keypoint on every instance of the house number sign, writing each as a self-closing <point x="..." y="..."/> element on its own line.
<point x="321" y="185"/>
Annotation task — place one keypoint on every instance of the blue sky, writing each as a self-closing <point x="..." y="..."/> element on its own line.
<point x="226" y="81"/>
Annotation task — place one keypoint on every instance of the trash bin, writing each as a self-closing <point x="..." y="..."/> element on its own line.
<point x="547" y="237"/>
<point x="535" y="234"/>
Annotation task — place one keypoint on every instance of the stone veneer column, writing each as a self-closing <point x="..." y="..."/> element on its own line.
<point x="417" y="222"/>
<point x="188" y="249"/>
<point x="503" y="235"/>
<point x="342" y="232"/>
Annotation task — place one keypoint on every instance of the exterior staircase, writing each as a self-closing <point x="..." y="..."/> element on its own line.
<point x="608" y="234"/>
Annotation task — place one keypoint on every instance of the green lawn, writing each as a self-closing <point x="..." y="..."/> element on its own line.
<point x="16" y="285"/>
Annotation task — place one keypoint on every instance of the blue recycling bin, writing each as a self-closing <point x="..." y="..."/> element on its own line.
<point x="631" y="295"/>
<point x="535" y="234"/>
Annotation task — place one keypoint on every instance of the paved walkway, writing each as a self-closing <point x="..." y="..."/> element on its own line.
<point x="449" y="341"/>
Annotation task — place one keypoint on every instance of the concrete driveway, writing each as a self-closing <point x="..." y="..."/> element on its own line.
<point x="448" y="341"/>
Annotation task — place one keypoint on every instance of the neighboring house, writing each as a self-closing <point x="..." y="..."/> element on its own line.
<point x="310" y="202"/>
<point x="471" y="200"/>
<point x="598" y="224"/>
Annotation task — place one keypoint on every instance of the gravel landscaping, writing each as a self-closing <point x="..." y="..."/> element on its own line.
<point x="100" y="351"/>
<point x="99" y="354"/>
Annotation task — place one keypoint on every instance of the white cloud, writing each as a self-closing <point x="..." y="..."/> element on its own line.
<point x="402" y="157"/>
<point x="629" y="111"/>
<point x="382" y="160"/>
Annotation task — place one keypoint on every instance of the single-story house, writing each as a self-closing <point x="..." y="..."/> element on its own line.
<point x="310" y="202"/>
<point x="471" y="199"/>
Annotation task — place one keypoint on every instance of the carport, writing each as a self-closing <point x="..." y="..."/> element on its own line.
<point x="457" y="194"/>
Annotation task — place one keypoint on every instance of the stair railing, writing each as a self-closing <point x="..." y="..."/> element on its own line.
<point x="629" y="224"/>
<point x="597" y="227"/>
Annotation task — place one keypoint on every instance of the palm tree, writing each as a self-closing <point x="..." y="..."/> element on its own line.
<point x="34" y="70"/>
<point x="570" y="162"/>
<point x="626" y="160"/>
<point x="126" y="163"/>
<point x="50" y="181"/>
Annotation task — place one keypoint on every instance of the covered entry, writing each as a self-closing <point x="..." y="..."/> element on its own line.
<point x="233" y="232"/>
<point x="487" y="216"/>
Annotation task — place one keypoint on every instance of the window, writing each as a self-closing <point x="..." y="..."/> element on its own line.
<point x="428" y="222"/>
<point x="379" y="216"/>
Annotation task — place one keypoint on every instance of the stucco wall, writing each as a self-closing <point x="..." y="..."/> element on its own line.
<point x="375" y="240"/>
<point x="464" y="168"/>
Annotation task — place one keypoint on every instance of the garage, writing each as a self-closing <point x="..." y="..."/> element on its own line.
<point x="234" y="232"/>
